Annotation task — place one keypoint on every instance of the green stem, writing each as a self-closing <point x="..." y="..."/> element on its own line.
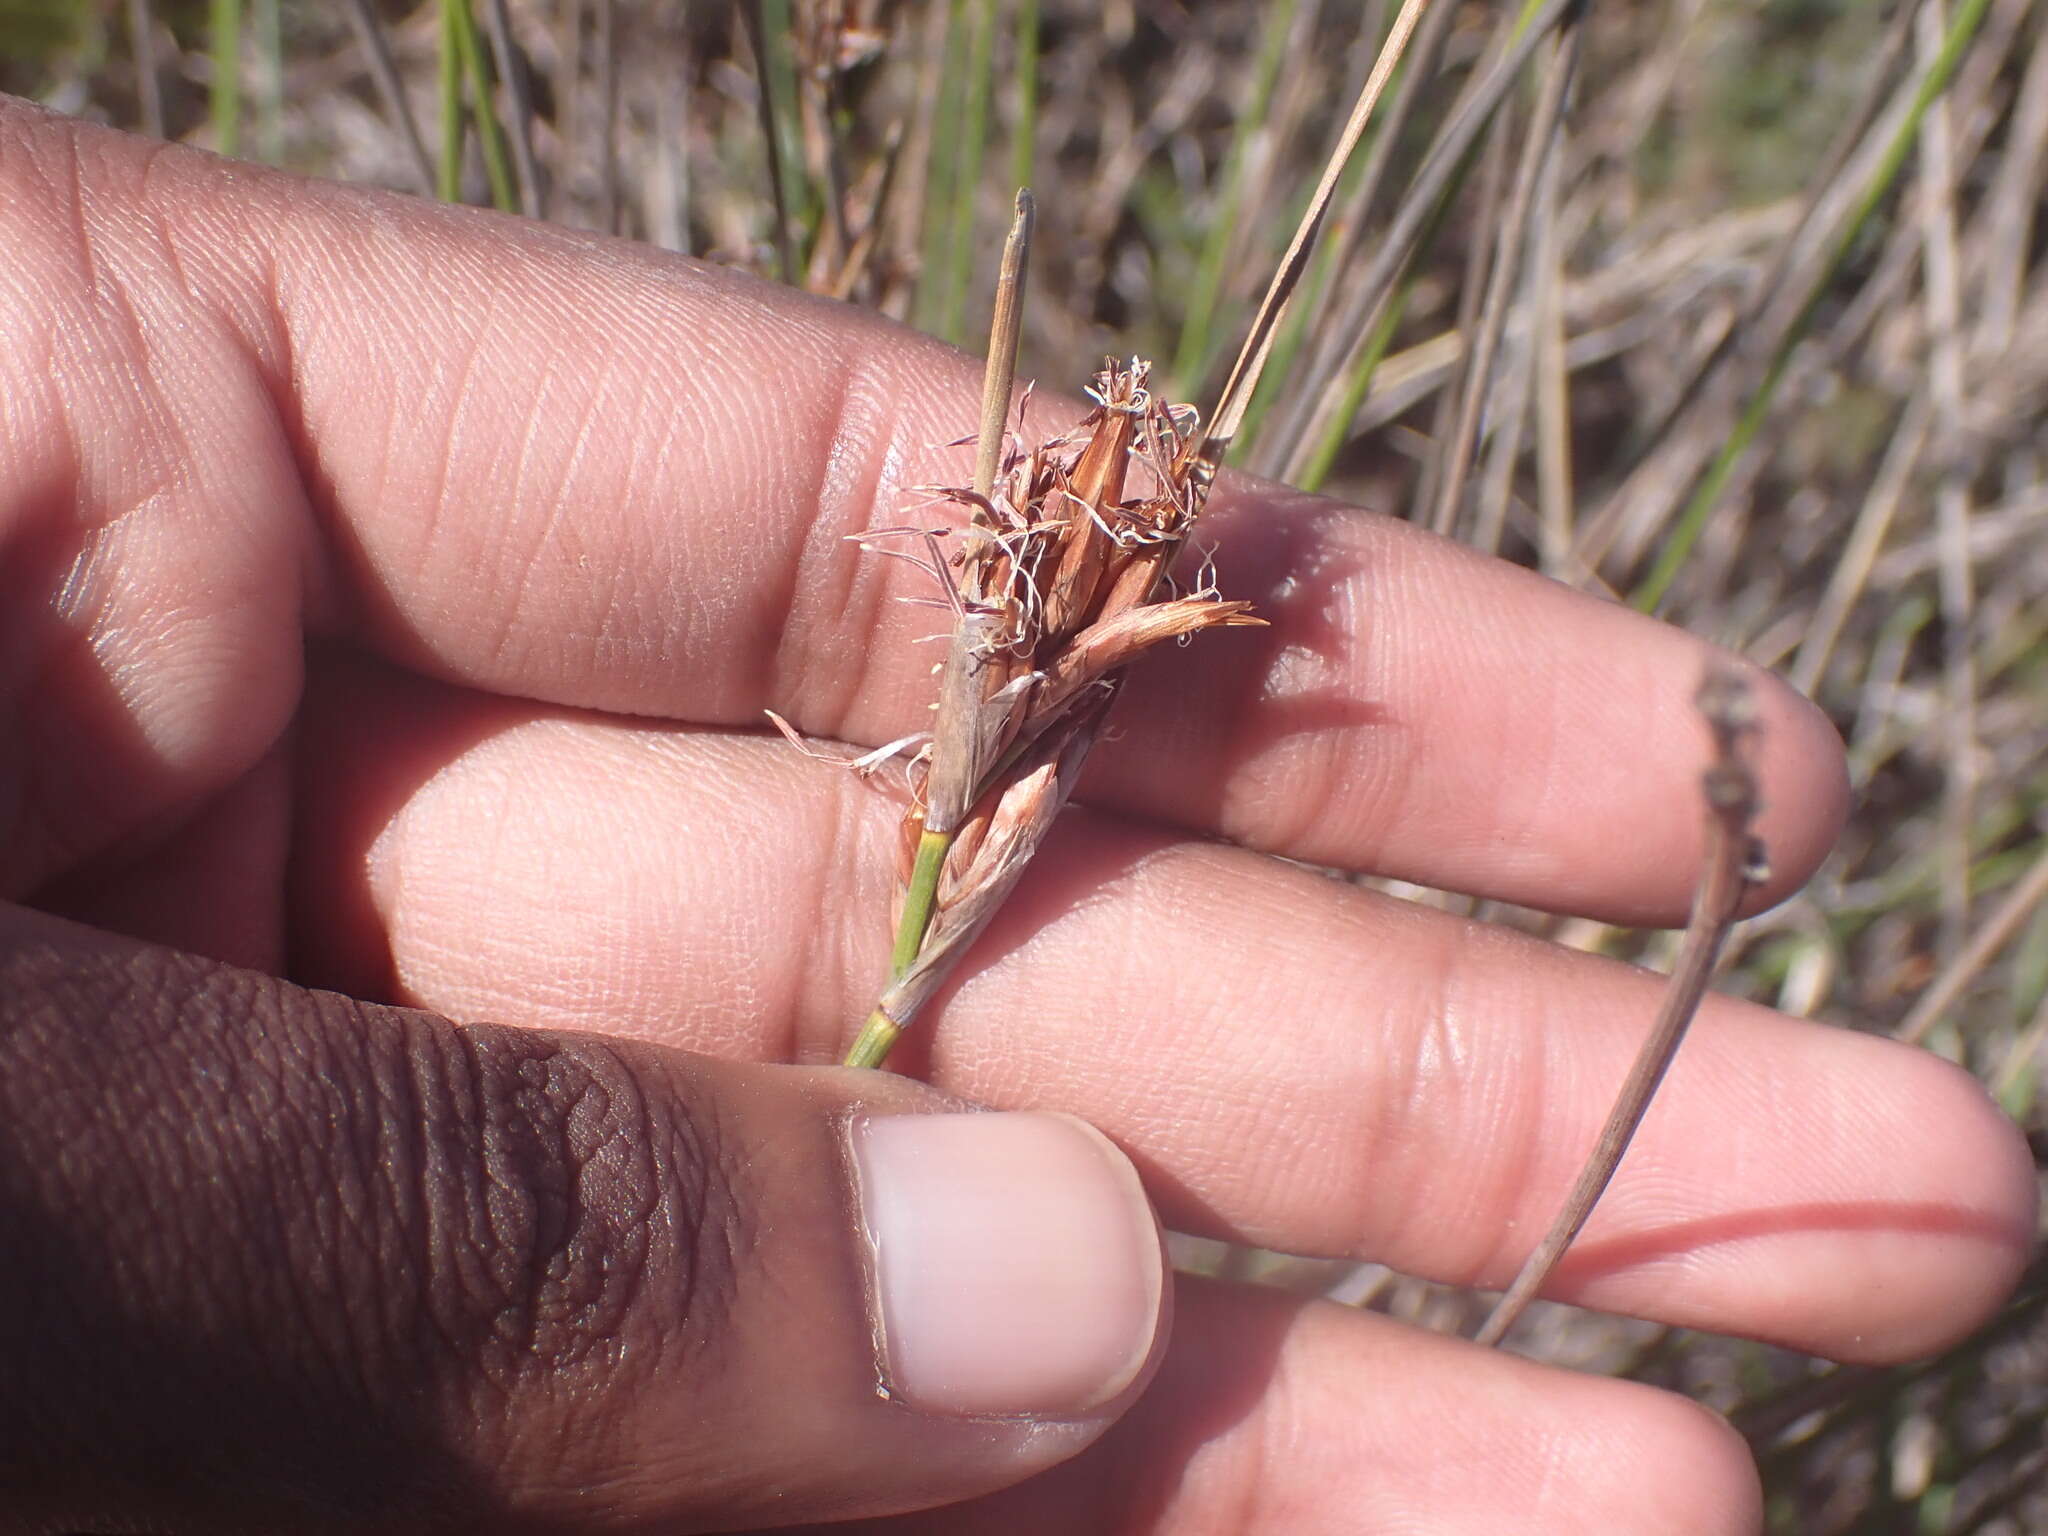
<point x="798" y="203"/>
<point x="920" y="900"/>
<point x="1025" y="141"/>
<point x="497" y="165"/>
<point x="972" y="123"/>
<point x="877" y="1037"/>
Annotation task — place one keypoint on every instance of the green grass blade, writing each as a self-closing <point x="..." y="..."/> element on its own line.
<point x="801" y="202"/>
<point x="942" y="174"/>
<point x="973" y="135"/>
<point x="483" y="108"/>
<point x="1025" y="136"/>
<point x="224" y="97"/>
<point x="754" y="14"/>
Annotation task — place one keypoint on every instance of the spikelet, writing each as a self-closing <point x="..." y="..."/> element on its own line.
<point x="1060" y="583"/>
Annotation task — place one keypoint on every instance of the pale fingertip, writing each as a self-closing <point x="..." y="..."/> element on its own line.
<point x="1719" y="1494"/>
<point x="1966" y="1169"/>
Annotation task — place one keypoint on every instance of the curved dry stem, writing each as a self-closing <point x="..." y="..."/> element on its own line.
<point x="1734" y="863"/>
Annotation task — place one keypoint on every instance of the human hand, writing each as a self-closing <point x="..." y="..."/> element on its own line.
<point x="558" y="518"/>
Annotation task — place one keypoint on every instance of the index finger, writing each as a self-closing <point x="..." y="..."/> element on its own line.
<point x="587" y="472"/>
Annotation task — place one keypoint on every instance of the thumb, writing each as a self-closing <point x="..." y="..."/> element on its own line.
<point x="276" y="1260"/>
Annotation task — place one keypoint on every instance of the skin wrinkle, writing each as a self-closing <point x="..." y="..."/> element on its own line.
<point x="162" y="227"/>
<point x="523" y="482"/>
<point x="182" y="1118"/>
<point x="1368" y="792"/>
<point x="140" y="1142"/>
<point x="838" y="587"/>
<point x="1537" y="746"/>
<point x="74" y="206"/>
<point x="491" y="653"/>
<point x="1411" y="1083"/>
<point x="349" y="1318"/>
<point x="409" y="1169"/>
<point x="358" y="579"/>
<point x="1396" y="771"/>
<point x="503" y="1270"/>
<point x="644" y="573"/>
<point x="413" y="1165"/>
<point x="349" y="1219"/>
<point x="1518" y="1116"/>
<point x="1313" y="760"/>
<point x="539" y="1214"/>
<point x="1412" y="1064"/>
<point x="556" y="519"/>
<point x="194" y="998"/>
<point x="126" y="518"/>
<point x="553" y="1281"/>
<point x="399" y="1130"/>
<point x="275" y="355"/>
<point x="820" y="570"/>
<point x="82" y="346"/>
<point x="834" y="889"/>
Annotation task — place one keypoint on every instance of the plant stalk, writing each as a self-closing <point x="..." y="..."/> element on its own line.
<point x="998" y="382"/>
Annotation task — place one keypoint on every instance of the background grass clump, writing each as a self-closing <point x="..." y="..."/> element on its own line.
<point x="1770" y="356"/>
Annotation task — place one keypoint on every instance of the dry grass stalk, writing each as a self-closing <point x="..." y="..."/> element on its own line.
<point x="2027" y="894"/>
<point x="1351" y="335"/>
<point x="148" y="90"/>
<point x="605" y="42"/>
<point x="771" y="144"/>
<point x="519" y="105"/>
<point x="1734" y="864"/>
<point x="384" y="70"/>
<point x="1538" y="146"/>
<point x="1940" y="263"/>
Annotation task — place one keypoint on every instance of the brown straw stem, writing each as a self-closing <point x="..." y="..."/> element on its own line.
<point x="1734" y="863"/>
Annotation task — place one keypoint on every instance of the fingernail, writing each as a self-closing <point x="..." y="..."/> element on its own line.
<point x="1016" y="1262"/>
